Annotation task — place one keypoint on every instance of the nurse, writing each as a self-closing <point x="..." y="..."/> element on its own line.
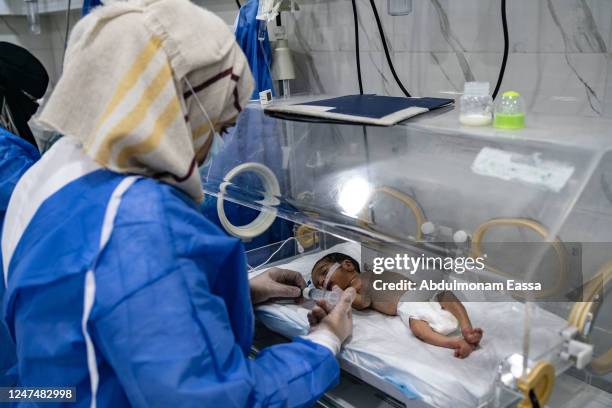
<point x="116" y="284"/>
<point x="16" y="156"/>
<point x="23" y="79"/>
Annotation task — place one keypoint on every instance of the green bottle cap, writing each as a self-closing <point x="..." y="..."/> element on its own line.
<point x="511" y="94"/>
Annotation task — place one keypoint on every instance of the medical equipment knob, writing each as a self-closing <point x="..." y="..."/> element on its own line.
<point x="460" y="237"/>
<point x="428" y="228"/>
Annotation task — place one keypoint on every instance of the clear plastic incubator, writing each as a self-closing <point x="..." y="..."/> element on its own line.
<point x="535" y="203"/>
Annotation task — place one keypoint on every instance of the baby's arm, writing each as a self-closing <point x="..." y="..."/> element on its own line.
<point x="449" y="302"/>
<point x="274" y="268"/>
<point x="362" y="300"/>
<point x="423" y="331"/>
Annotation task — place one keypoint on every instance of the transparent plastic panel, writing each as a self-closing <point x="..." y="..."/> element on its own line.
<point x="540" y="210"/>
<point x="588" y="228"/>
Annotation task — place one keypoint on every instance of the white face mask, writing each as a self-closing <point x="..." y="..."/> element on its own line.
<point x="217" y="141"/>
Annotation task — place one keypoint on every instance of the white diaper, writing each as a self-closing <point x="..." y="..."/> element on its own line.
<point x="441" y="321"/>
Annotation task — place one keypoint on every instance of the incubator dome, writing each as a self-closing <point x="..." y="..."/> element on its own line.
<point x="536" y="204"/>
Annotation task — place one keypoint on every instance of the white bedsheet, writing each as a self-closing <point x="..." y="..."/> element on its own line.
<point x="385" y="346"/>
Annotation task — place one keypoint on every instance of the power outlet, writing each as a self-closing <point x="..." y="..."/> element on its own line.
<point x="399" y="7"/>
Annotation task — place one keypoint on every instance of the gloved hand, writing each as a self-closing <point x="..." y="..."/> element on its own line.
<point x="337" y="321"/>
<point x="276" y="282"/>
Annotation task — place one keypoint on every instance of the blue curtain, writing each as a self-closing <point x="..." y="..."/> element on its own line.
<point x="249" y="30"/>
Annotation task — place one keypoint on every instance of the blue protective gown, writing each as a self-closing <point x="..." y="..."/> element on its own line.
<point x="16" y="156"/>
<point x="172" y="322"/>
<point x="89" y="5"/>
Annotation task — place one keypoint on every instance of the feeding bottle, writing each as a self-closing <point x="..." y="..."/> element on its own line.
<point x="331" y="297"/>
<point x="476" y="105"/>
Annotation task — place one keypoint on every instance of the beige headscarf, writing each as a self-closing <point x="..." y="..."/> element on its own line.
<point x="124" y="94"/>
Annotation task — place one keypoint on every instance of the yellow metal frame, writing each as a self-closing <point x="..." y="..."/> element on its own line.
<point x="583" y="313"/>
<point x="535" y="226"/>
<point x="603" y="364"/>
<point x="541" y="379"/>
<point x="306" y="236"/>
<point x="405" y="199"/>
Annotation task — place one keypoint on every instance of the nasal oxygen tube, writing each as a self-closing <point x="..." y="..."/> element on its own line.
<point x="330" y="296"/>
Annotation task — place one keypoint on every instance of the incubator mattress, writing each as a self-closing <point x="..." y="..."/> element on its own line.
<point x="384" y="346"/>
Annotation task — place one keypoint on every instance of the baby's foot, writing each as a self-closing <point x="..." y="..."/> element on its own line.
<point x="472" y="335"/>
<point x="462" y="348"/>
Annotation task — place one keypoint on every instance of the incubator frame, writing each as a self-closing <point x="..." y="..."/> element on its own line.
<point x="318" y="222"/>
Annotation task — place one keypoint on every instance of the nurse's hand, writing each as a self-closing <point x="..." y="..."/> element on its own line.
<point x="338" y="319"/>
<point x="275" y="282"/>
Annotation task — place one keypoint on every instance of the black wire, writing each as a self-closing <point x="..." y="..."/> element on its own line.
<point x="384" y="43"/>
<point x="238" y="4"/>
<point x="67" y="30"/>
<point x="502" y="69"/>
<point x="67" y="24"/>
<point x="534" y="399"/>
<point x="605" y="187"/>
<point x="357" y="58"/>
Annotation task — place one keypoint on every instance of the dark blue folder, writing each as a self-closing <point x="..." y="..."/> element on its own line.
<point x="366" y="109"/>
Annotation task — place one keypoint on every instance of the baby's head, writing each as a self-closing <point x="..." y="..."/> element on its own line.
<point x="341" y="267"/>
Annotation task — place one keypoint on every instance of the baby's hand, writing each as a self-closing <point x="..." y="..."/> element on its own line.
<point x="462" y="348"/>
<point x="472" y="335"/>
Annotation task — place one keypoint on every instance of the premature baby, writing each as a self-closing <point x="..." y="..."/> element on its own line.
<point x="431" y="320"/>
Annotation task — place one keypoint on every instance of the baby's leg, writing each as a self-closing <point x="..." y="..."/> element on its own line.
<point x="423" y="331"/>
<point x="449" y="302"/>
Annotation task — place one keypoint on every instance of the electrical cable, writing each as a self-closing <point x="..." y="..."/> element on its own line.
<point x="358" y="64"/>
<point x="605" y="187"/>
<point x="502" y="69"/>
<point x="386" y="49"/>
<point x="534" y="399"/>
<point x="253" y="269"/>
<point x="357" y="57"/>
<point x="67" y="29"/>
